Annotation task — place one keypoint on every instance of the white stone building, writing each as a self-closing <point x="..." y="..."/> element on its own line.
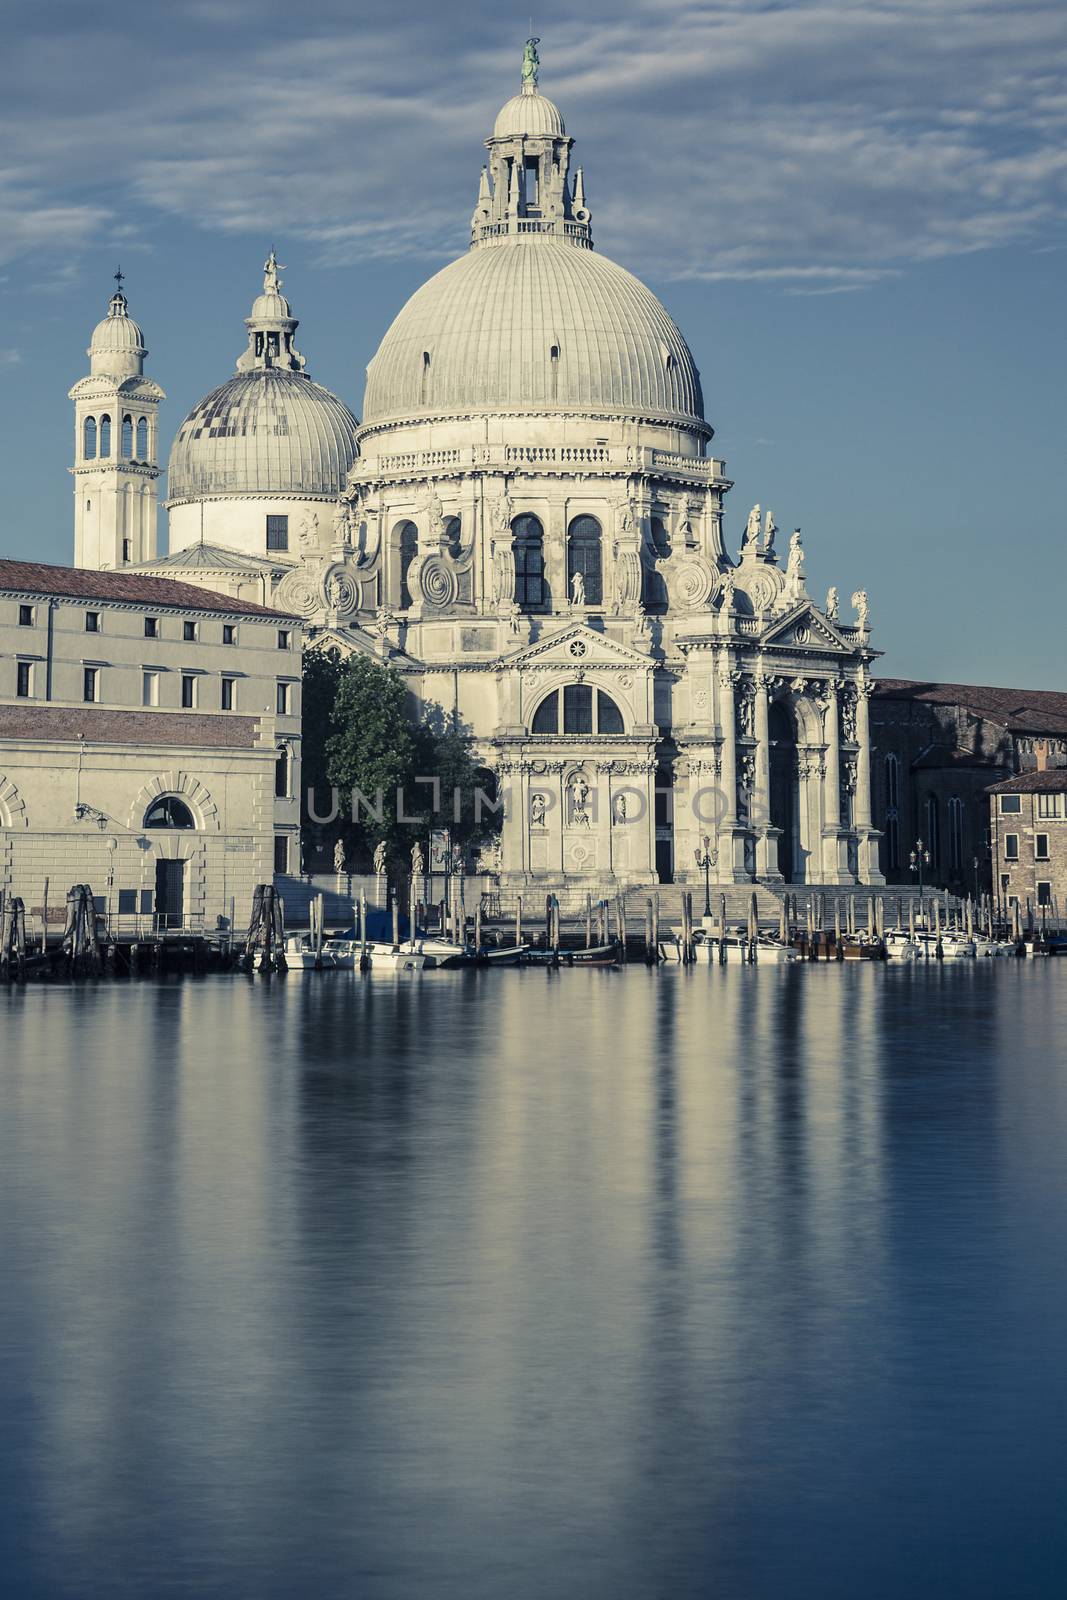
<point x="528" y="525"/>
<point x="149" y="741"/>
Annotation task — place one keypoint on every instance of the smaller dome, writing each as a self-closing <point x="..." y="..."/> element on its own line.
<point x="272" y="307"/>
<point x="529" y="113"/>
<point x="117" y="347"/>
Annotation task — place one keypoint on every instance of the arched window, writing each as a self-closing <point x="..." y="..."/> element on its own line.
<point x="407" y="545"/>
<point x="142" y="438"/>
<point x="168" y="812"/>
<point x="126" y="448"/>
<point x="891" y="817"/>
<point x="281" y="773"/>
<point x="529" y="548"/>
<point x="105" y="435"/>
<point x="955" y="833"/>
<point x="892" y="782"/>
<point x="583" y="711"/>
<point x="453" y="536"/>
<point x="89" y="439"/>
<point x="933" y="829"/>
<point x="583" y="556"/>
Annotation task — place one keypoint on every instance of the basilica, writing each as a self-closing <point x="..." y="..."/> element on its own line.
<point x="528" y="525"/>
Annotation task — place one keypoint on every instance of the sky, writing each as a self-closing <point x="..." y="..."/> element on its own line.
<point x="856" y="213"/>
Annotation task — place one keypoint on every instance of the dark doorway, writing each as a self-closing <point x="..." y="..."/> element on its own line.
<point x="664" y="861"/>
<point x="170" y="893"/>
<point x="783" y="736"/>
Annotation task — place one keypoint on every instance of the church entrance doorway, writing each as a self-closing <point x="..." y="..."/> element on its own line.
<point x="784" y="795"/>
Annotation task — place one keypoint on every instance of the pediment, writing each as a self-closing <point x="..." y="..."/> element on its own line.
<point x="577" y="645"/>
<point x="356" y="641"/>
<point x="805" y="628"/>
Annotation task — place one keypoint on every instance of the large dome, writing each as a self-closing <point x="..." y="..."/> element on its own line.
<point x="533" y="322"/>
<point x="269" y="431"/>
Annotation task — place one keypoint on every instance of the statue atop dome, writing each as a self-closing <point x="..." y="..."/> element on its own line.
<point x="531" y="65"/>
<point x="272" y="284"/>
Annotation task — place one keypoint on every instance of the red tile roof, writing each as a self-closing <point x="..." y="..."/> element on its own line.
<point x="1021" y="710"/>
<point x="76" y="583"/>
<point x="1052" y="781"/>
<point x="98" y="725"/>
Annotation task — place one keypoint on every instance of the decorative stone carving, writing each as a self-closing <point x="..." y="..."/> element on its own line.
<point x="770" y="528"/>
<point x="862" y="605"/>
<point x="728" y="590"/>
<point x="298" y="593"/>
<point x="309" y="530"/>
<point x="752" y="529"/>
<point x="691" y="583"/>
<point x="831" y="607"/>
<point x="500" y="514"/>
<point x="577" y="589"/>
<point x="435" y="514"/>
<point x="848" y="719"/>
<point x="340" y="592"/>
<point x="795" y="563"/>
<point x="538" y="807"/>
<point x="578" y="795"/>
<point x="436" y="584"/>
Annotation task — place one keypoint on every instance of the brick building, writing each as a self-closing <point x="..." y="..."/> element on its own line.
<point x="1028" y="832"/>
<point x="937" y="747"/>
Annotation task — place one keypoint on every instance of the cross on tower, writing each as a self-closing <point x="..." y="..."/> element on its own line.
<point x="120" y="278"/>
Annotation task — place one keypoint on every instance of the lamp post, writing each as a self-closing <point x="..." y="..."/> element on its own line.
<point x="918" y="859"/>
<point x="706" y="858"/>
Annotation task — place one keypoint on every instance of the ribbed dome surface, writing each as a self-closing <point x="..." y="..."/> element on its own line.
<point x="117" y="334"/>
<point x="490" y="321"/>
<point x="264" y="432"/>
<point x="529" y="113"/>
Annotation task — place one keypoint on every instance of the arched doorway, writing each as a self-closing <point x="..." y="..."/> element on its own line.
<point x="783" y="774"/>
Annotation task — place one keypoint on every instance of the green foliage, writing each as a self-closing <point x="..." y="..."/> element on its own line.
<point x="360" y="734"/>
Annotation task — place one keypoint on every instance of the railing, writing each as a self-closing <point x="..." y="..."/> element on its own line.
<point x="412" y="459"/>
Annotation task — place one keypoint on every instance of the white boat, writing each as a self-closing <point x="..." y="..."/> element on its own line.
<point x="381" y="957"/>
<point x="954" y="946"/>
<point x="900" y="946"/>
<point x="443" y="952"/>
<point x="300" y="955"/>
<point x="737" y="949"/>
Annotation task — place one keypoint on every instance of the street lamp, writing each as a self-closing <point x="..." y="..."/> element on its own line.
<point x="919" y="858"/>
<point x="705" y="860"/>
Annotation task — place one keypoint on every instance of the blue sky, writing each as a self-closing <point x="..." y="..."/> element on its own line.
<point x="856" y="214"/>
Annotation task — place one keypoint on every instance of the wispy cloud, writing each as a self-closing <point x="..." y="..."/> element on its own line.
<point x="10" y="358"/>
<point x="817" y="145"/>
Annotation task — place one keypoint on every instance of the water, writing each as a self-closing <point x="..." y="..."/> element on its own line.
<point x="524" y="1284"/>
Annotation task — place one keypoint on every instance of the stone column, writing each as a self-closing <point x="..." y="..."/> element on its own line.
<point x="869" y="870"/>
<point x="831" y="808"/>
<point x="728" y="680"/>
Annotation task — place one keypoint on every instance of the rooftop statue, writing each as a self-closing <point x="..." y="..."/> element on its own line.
<point x="531" y="63"/>
<point x="272" y="284"/>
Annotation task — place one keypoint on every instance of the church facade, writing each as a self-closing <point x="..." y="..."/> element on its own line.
<point x="528" y="525"/>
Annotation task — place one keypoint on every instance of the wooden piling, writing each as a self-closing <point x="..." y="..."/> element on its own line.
<point x="588" y="920"/>
<point x="518" y="920"/>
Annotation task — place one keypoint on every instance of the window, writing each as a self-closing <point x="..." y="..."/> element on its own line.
<point x="579" y="707"/>
<point x="529" y="563"/>
<point x="283" y="638"/>
<point x="281" y="774"/>
<point x="1011" y="847"/>
<point x="189" y="631"/>
<point x="168" y="812"/>
<point x="281" y="852"/>
<point x="92" y="622"/>
<point x="1041" y="846"/>
<point x="229" y="633"/>
<point x="1044" y="893"/>
<point x="142" y="438"/>
<point x="933" y="829"/>
<point x="1011" y="804"/>
<point x="282" y="702"/>
<point x="277" y="533"/>
<point x="892" y="781"/>
<point x="25" y="616"/>
<point x="127" y="551"/>
<point x="90" y="684"/>
<point x="1049" y="805"/>
<point x="407" y="543"/>
<point x="228" y="694"/>
<point x="188" y="691"/>
<point x="583" y="559"/>
<point x="127" y="902"/>
<point x="24" y="680"/>
<point x="892" y="842"/>
<point x="89" y="442"/>
<point x="955" y="833"/>
<point x="151" y="627"/>
<point x="126" y="443"/>
<point x="150" y="689"/>
<point x="105" y="435"/>
<point x="454" y="537"/>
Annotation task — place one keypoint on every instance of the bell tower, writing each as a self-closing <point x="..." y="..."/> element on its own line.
<point x="116" y="446"/>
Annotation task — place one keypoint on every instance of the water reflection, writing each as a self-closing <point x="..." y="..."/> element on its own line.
<point x="692" y="1282"/>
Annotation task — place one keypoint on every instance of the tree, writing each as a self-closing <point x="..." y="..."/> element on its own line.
<point x="361" y="738"/>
